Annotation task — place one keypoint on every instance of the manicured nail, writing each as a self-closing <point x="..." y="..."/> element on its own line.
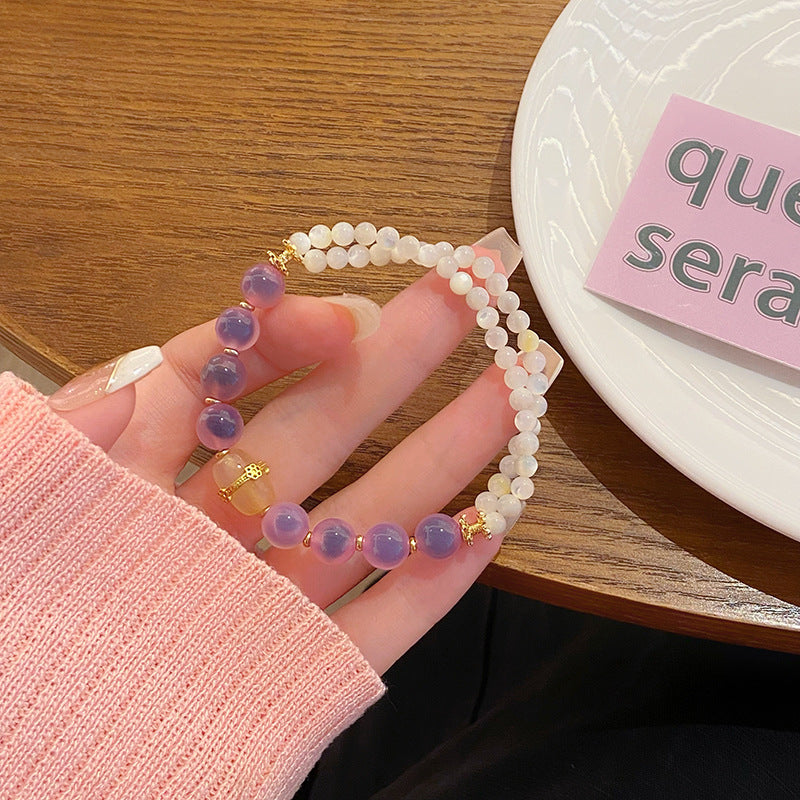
<point x="366" y="313"/>
<point x="553" y="362"/>
<point x="106" y="378"/>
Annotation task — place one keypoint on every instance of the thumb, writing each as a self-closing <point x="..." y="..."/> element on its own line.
<point x="100" y="401"/>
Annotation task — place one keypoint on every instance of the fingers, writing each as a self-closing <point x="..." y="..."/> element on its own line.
<point x="307" y="432"/>
<point x="100" y="402"/>
<point x="399" y="609"/>
<point x="105" y="419"/>
<point x="161" y="436"/>
<point x="418" y="477"/>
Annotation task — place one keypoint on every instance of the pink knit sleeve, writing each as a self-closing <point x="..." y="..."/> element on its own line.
<point x="143" y="652"/>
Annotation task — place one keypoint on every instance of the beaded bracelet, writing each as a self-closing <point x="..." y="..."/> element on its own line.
<point x="245" y="483"/>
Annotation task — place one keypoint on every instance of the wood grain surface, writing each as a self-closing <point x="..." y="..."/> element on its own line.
<point x="152" y="150"/>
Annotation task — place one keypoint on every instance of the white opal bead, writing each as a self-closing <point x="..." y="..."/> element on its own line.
<point x="464" y="255"/>
<point x="527" y="340"/>
<point x="300" y="242"/>
<point x="509" y="506"/>
<point x="337" y="257"/>
<point x="517" y="321"/>
<point x="525" y="443"/>
<point x="508" y="466"/>
<point x="499" y="484"/>
<point x="496" y="337"/>
<point x="482" y="267"/>
<point x="537" y="383"/>
<point x="534" y="361"/>
<point x="320" y="236"/>
<point x="477" y="298"/>
<point x="358" y="256"/>
<point x="539" y="406"/>
<point x="515" y="377"/>
<point x="428" y="255"/>
<point x="387" y="237"/>
<point x="514" y="447"/>
<point x="496" y="284"/>
<point x="365" y="233"/>
<point x="520" y="399"/>
<point x="496" y="523"/>
<point x="447" y="266"/>
<point x="526" y="466"/>
<point x="407" y="249"/>
<point x="343" y="233"/>
<point x="444" y="249"/>
<point x="487" y="317"/>
<point x="379" y="256"/>
<point x="506" y="357"/>
<point x="522" y="488"/>
<point x="508" y="302"/>
<point x="526" y="420"/>
<point x="461" y="282"/>
<point x="486" y="502"/>
<point x="315" y="261"/>
<point x="416" y="258"/>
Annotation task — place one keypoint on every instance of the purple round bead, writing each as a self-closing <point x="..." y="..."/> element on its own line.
<point x="385" y="545"/>
<point x="223" y="377"/>
<point x="333" y="540"/>
<point x="284" y="525"/>
<point x="263" y="285"/>
<point x="438" y="536"/>
<point x="219" y="426"/>
<point x="237" y="327"/>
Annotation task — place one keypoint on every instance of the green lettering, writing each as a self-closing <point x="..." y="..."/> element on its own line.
<point x="790" y="309"/>
<point x="685" y="257"/>
<point x="763" y="197"/>
<point x="791" y="203"/>
<point x="645" y="236"/>
<point x="741" y="267"/>
<point x="704" y="179"/>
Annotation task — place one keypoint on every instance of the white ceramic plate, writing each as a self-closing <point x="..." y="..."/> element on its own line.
<point x="727" y="419"/>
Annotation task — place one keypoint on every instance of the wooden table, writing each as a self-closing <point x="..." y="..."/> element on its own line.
<point x="150" y="149"/>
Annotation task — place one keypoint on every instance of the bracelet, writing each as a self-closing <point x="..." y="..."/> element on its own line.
<point x="245" y="482"/>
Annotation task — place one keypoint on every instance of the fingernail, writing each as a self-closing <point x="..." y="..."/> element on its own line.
<point x="106" y="378"/>
<point x="553" y="362"/>
<point x="366" y="313"/>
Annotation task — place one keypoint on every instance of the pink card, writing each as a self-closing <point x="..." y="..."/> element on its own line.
<point x="708" y="233"/>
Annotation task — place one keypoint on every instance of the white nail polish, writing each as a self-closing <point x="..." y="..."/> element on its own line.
<point x="554" y="362"/>
<point x="106" y="378"/>
<point x="366" y="313"/>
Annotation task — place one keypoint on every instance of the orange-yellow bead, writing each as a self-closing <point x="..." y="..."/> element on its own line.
<point x="527" y="341"/>
<point x="253" y="496"/>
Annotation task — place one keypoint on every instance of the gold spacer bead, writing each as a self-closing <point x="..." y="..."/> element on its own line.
<point x="231" y="351"/>
<point x="221" y="453"/>
<point x="209" y="401"/>
<point x="412" y="544"/>
<point x="307" y="540"/>
<point x="245" y="304"/>
<point x="359" y="542"/>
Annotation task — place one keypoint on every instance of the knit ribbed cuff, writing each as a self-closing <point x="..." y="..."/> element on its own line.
<point x="143" y="652"/>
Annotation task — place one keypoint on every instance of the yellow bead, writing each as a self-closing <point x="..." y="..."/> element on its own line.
<point x="253" y="496"/>
<point x="527" y="341"/>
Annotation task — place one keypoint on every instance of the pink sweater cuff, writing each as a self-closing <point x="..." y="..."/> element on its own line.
<point x="143" y="652"/>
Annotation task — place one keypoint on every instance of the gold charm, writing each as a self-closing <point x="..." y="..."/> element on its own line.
<point x="289" y="254"/>
<point x="251" y="472"/>
<point x="469" y="531"/>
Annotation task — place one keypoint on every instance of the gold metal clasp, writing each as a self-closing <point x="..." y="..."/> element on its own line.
<point x="289" y="254"/>
<point x="251" y="472"/>
<point x="470" y="530"/>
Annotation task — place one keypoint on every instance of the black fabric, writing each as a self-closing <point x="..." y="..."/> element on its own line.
<point x="508" y="698"/>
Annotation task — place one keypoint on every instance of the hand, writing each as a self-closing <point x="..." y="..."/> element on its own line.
<point x="307" y="432"/>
